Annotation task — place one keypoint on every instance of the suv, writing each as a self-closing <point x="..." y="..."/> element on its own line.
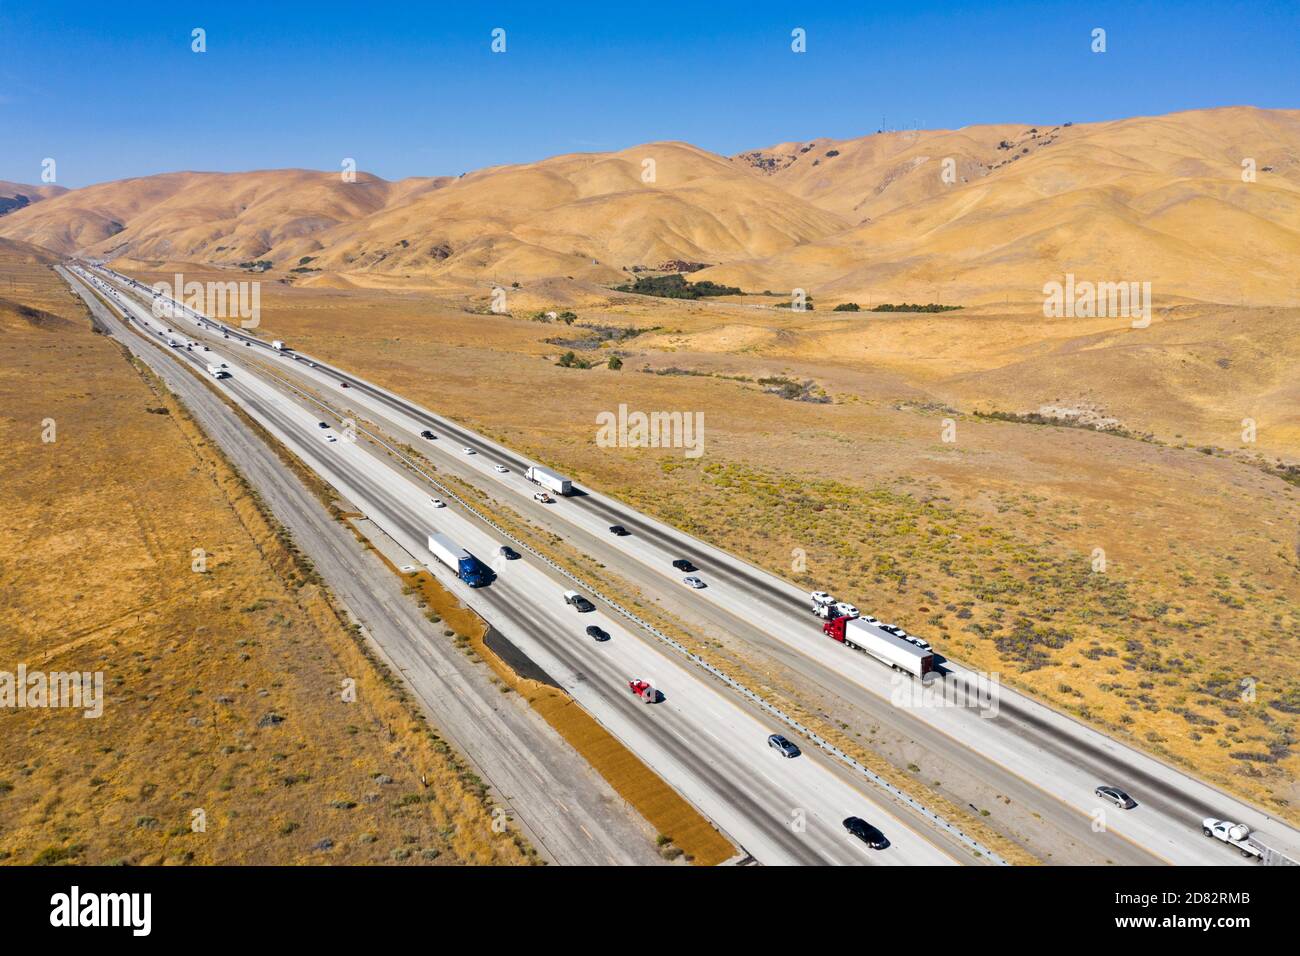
<point x="865" y="832"/>
<point x="509" y="553"/>
<point x="427" y="434"/>
<point x="681" y="564"/>
<point x="782" y="746"/>
<point x="618" y="530"/>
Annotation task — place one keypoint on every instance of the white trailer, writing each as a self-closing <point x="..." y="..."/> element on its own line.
<point x="883" y="646"/>
<point x="277" y="345"/>
<point x="550" y="480"/>
<point x="176" y="341"/>
<point x="447" y="551"/>
<point x="218" y="370"/>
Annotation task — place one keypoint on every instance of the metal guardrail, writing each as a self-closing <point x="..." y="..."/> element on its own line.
<point x="825" y="745"/>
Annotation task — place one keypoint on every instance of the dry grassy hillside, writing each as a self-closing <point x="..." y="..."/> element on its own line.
<point x="865" y="177"/>
<point x="1152" y="199"/>
<point x="985" y="545"/>
<point x="214" y="217"/>
<point x="15" y="196"/>
<point x="222" y="687"/>
<point x="584" y="215"/>
<point x="588" y="216"/>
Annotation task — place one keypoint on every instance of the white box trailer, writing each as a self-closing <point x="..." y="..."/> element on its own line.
<point x="883" y="646"/>
<point x="550" y="480"/>
<point x="218" y="370"/>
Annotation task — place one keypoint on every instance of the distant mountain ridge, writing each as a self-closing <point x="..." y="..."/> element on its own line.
<point x="980" y="214"/>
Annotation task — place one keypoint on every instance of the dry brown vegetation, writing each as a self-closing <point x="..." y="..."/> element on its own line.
<point x="986" y="545"/>
<point x="224" y="688"/>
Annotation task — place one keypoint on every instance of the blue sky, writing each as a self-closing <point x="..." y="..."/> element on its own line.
<point x="112" y="90"/>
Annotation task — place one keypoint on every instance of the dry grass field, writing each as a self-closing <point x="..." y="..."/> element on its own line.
<point x="225" y="736"/>
<point x="990" y="545"/>
<point x="1106" y="515"/>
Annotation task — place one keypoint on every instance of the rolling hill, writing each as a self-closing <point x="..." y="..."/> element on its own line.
<point x="980" y="215"/>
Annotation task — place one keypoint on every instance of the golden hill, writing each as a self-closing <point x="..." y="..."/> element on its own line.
<point x="1151" y="199"/>
<point x="583" y="214"/>
<point x="874" y="219"/>
<point x="15" y="196"/>
<point x="210" y="217"/>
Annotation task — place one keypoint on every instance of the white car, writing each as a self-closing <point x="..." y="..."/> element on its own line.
<point x="693" y="582"/>
<point x="469" y="451"/>
<point x="501" y="469"/>
<point x="330" y="437"/>
<point x="543" y="497"/>
<point x="821" y="597"/>
<point x="437" y="502"/>
<point x="846" y="610"/>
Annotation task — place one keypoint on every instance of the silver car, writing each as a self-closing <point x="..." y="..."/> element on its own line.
<point x="782" y="746"/>
<point x="1116" y="796"/>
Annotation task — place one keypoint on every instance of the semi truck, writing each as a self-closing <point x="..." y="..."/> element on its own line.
<point x="550" y="480"/>
<point x="883" y="646"/>
<point x="218" y="371"/>
<point x="277" y="345"/>
<point x="467" y="567"/>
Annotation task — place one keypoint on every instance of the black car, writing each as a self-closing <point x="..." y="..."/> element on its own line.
<point x="865" y="832"/>
<point x="597" y="633"/>
<point x="427" y="434"/>
<point x="619" y="530"/>
<point x="509" y="553"/>
<point x="322" y="425"/>
<point x="681" y="564"/>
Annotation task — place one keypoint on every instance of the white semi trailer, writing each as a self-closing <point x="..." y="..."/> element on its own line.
<point x="550" y="480"/>
<point x="880" y="644"/>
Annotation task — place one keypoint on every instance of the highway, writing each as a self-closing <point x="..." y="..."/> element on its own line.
<point x="1049" y="763"/>
<point x="710" y="746"/>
